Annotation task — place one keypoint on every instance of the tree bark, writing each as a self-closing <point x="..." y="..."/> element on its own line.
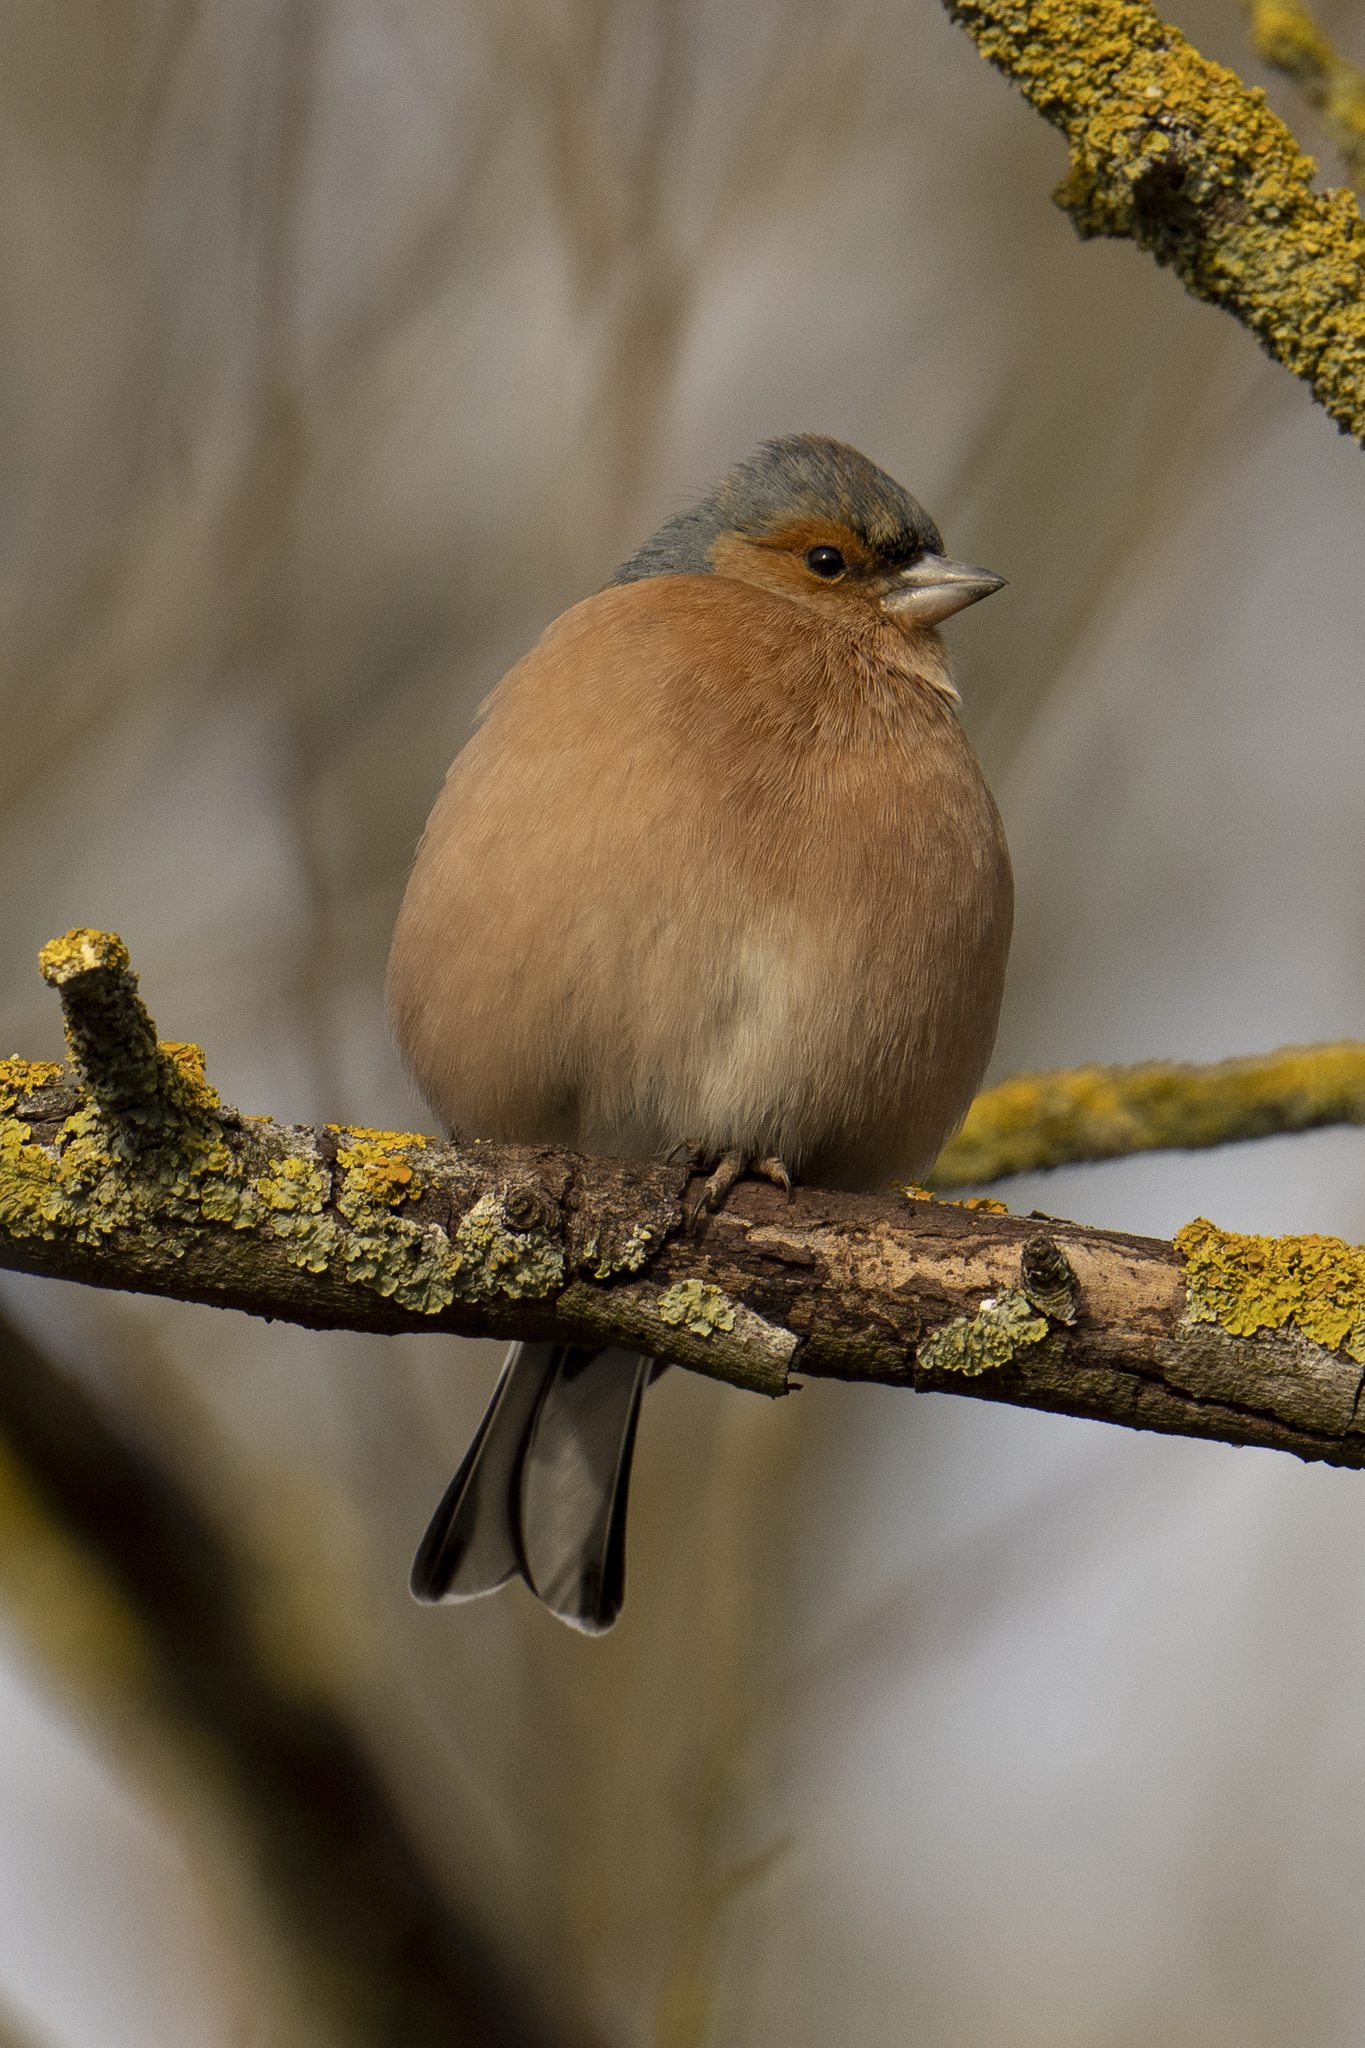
<point x="127" y="1172"/>
<point x="1178" y="155"/>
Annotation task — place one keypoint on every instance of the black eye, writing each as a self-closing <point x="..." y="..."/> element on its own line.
<point x="826" y="562"/>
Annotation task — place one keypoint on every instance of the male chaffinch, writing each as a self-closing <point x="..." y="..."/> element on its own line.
<point x="718" y="869"/>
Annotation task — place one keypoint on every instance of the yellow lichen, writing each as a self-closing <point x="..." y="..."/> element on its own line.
<point x="986" y="1204"/>
<point x="1247" y="1283"/>
<point x="20" y="1077"/>
<point x="1178" y="154"/>
<point x="186" y="1062"/>
<point x="1004" y="1325"/>
<point x="385" y="1141"/>
<point x="1035" y="1121"/>
<point x="148" y="1147"/>
<point x="376" y="1167"/>
<point x="1286" y="35"/>
<point x="697" y="1307"/>
<point x="78" y="951"/>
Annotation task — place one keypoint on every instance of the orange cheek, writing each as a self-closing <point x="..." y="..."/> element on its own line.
<point x="778" y="567"/>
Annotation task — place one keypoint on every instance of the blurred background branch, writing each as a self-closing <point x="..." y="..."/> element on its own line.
<point x="1286" y="35"/>
<point x="143" y="1614"/>
<point x="1033" y="1122"/>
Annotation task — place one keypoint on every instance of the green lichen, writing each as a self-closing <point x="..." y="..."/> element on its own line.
<point x="1179" y="155"/>
<point x="697" y="1307"/>
<point x="190" y="1091"/>
<point x="492" y="1257"/>
<point x="1247" y="1283"/>
<point x="1003" y="1326"/>
<point x="30" y="1201"/>
<point x="294" y="1194"/>
<point x="406" y="1262"/>
<point x="606" y="1257"/>
<point x="149" y="1148"/>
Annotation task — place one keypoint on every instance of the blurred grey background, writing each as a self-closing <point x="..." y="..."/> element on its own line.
<point x="342" y="346"/>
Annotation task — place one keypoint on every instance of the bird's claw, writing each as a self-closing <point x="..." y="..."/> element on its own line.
<point x="729" y="1168"/>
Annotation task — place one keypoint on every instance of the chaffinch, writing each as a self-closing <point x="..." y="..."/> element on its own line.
<point x="718" y="870"/>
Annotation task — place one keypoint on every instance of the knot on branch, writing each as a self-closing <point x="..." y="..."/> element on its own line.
<point x="1048" y="1279"/>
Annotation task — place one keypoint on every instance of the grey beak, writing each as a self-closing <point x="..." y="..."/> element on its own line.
<point x="934" y="587"/>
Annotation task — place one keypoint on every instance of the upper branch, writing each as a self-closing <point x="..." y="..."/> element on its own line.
<point x="149" y="1183"/>
<point x="1286" y="35"/>
<point x="1180" y="156"/>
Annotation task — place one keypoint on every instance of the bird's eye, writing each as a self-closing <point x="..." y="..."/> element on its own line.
<point x="826" y="562"/>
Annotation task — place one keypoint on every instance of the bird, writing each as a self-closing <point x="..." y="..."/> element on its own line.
<point x="717" y="875"/>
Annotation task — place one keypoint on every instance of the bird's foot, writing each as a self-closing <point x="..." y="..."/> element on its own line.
<point x="729" y="1168"/>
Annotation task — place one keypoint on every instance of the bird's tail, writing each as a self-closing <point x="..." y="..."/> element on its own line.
<point x="542" y="1489"/>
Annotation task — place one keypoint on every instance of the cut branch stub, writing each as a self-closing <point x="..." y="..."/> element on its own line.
<point x="128" y="1172"/>
<point x="140" y="1088"/>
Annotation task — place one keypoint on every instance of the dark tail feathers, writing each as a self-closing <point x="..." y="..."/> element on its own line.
<point x="542" y="1489"/>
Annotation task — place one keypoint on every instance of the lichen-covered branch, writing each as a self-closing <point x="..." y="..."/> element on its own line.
<point x="1285" y="35"/>
<point x="156" y="1186"/>
<point x="1178" y="155"/>
<point x="1034" y="1121"/>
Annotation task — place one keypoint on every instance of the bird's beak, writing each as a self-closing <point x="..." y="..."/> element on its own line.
<point x="934" y="587"/>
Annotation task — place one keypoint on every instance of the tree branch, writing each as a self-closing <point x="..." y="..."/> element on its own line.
<point x="1284" y="34"/>
<point x="1180" y="156"/>
<point x="128" y="1172"/>
<point x="1034" y="1121"/>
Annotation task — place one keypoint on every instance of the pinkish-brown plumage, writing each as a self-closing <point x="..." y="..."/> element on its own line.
<point x="712" y="869"/>
<point x="717" y="869"/>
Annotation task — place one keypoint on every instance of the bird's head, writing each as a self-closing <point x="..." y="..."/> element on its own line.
<point x="812" y="520"/>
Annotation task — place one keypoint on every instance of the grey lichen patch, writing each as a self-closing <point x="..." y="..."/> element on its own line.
<point x="697" y="1324"/>
<point x="697" y="1307"/>
<point x="493" y="1256"/>
<point x="605" y="1256"/>
<point x="1003" y="1326"/>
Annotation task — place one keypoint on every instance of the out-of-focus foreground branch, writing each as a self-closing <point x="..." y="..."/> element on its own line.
<point x="1178" y="155"/>
<point x="143" y="1615"/>
<point x="128" y="1172"/>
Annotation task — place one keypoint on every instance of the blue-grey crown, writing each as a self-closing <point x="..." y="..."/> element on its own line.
<point x="802" y="476"/>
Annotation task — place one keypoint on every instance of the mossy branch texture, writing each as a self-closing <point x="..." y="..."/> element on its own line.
<point x="1179" y="155"/>
<point x="123" y="1169"/>
<point x="1035" y="1121"/>
<point x="1286" y="36"/>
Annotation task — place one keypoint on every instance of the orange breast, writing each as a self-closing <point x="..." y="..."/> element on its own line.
<point x="710" y="870"/>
